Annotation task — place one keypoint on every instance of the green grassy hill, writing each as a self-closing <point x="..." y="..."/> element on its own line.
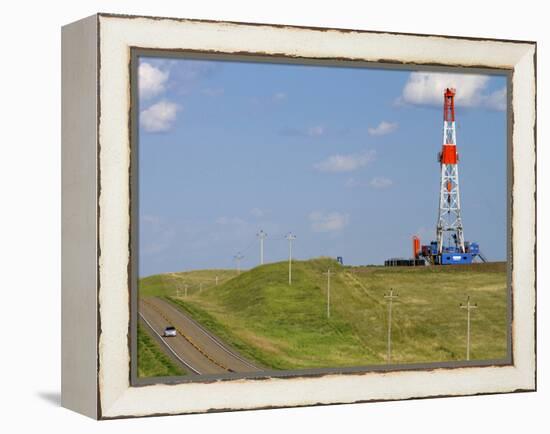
<point x="286" y="327"/>
<point x="171" y="283"/>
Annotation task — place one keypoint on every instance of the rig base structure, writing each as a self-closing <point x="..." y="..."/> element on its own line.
<point x="449" y="255"/>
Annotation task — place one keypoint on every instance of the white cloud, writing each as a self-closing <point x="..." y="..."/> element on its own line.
<point x="496" y="100"/>
<point x="230" y="221"/>
<point x="151" y="80"/>
<point x="383" y="128"/>
<point x="279" y="97"/>
<point x="213" y="92"/>
<point x="156" y="235"/>
<point x="191" y="70"/>
<point x="159" y="117"/>
<point x="269" y="100"/>
<point x="380" y="182"/>
<point x="257" y="212"/>
<point x="345" y="163"/>
<point x="351" y="183"/>
<point x="313" y="131"/>
<point x="328" y="222"/>
<point x="316" y="131"/>
<point x="427" y="88"/>
<point x="181" y="76"/>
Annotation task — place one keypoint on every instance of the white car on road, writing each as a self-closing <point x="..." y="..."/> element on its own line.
<point x="170" y="332"/>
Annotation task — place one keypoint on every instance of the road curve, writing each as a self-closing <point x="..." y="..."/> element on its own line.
<point x="157" y="334"/>
<point x="195" y="347"/>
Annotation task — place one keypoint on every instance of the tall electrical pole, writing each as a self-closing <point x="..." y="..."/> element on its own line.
<point x="262" y="236"/>
<point x="238" y="258"/>
<point x="468" y="308"/>
<point x="390" y="298"/>
<point x="328" y="292"/>
<point x="290" y="238"/>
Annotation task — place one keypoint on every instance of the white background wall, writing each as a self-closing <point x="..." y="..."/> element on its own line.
<point x="30" y="216"/>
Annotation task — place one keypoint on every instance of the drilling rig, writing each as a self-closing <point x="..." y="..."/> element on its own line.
<point x="449" y="247"/>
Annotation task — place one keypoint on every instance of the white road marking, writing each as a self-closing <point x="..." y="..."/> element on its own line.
<point x="212" y="338"/>
<point x="168" y="346"/>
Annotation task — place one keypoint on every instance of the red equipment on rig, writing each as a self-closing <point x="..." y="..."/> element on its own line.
<point x="416" y="247"/>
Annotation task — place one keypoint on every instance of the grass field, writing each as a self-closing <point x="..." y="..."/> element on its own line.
<point x="152" y="362"/>
<point x="286" y="327"/>
<point x="171" y="283"/>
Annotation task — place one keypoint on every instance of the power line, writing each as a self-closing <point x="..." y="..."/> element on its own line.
<point x="249" y="245"/>
<point x="279" y="237"/>
<point x="390" y="298"/>
<point x="468" y="308"/>
<point x="290" y="237"/>
<point x="328" y="292"/>
<point x="262" y="236"/>
<point x="238" y="258"/>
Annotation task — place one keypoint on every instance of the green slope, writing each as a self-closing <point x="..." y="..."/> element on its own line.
<point x="171" y="283"/>
<point x="285" y="327"/>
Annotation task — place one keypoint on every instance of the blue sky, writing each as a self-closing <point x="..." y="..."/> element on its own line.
<point x="344" y="158"/>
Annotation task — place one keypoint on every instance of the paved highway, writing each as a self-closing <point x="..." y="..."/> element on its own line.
<point x="196" y="349"/>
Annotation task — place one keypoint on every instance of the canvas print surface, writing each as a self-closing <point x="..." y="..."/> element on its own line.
<point x="310" y="217"/>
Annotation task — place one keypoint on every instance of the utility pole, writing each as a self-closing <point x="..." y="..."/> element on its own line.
<point x="262" y="236"/>
<point x="290" y="238"/>
<point x="216" y="280"/>
<point x="390" y="298"/>
<point x="238" y="257"/>
<point x="468" y="308"/>
<point x="328" y="292"/>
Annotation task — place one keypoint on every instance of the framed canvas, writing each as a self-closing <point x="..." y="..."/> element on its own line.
<point x="240" y="202"/>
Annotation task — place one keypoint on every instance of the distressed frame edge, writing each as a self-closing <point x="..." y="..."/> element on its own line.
<point x="79" y="271"/>
<point x="306" y="27"/>
<point x="417" y="397"/>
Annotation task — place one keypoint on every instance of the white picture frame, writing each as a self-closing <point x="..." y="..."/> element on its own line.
<point x="97" y="202"/>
